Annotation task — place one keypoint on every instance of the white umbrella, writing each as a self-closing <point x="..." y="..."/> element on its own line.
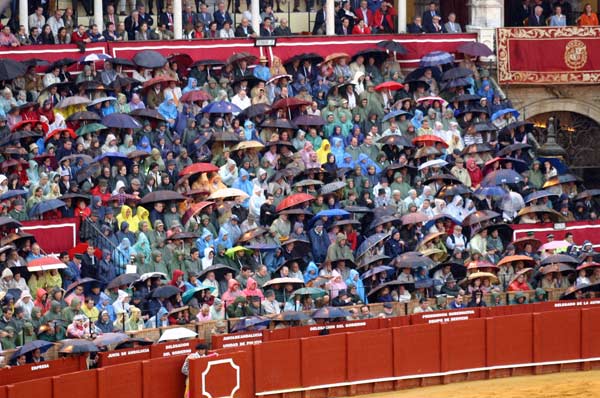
<point x="177" y="334"/>
<point x="433" y="163"/>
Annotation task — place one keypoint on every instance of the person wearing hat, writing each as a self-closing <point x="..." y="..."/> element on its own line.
<point x="451" y="288"/>
<point x="339" y="249"/>
<point x="18" y="211"/>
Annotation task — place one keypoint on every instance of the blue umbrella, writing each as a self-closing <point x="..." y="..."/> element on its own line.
<point x="503" y="176"/>
<point x="329" y="213"/>
<point x="256" y="322"/>
<point x="187" y="296"/>
<point x="430" y="223"/>
<point x="262" y="246"/>
<point x="493" y="191"/>
<point x="330" y="313"/>
<point x="397" y="113"/>
<point x="13" y="194"/>
<point x="94" y="57"/>
<point x="436" y="58"/>
<point x="560" y="167"/>
<point x="503" y="112"/>
<point x="370" y="242"/>
<point x="45" y="206"/>
<point x="539" y="194"/>
<point x="221" y="107"/>
<point x="112" y="156"/>
<point x="460" y="82"/>
<point x="376" y="270"/>
<point x="121" y="121"/>
<point x="26" y="348"/>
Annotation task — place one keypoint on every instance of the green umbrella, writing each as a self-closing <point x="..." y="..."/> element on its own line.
<point x="187" y="296"/>
<point x="90" y="128"/>
<point x="313" y="291"/>
<point x="231" y="252"/>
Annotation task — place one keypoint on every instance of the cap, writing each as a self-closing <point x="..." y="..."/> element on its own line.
<point x="388" y="305"/>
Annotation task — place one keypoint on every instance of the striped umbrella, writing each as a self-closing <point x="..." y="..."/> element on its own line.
<point x="436" y="58"/>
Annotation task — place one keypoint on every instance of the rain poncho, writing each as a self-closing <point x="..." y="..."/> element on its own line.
<point x="243" y="183"/>
<point x="191" y="85"/>
<point x="311" y="273"/>
<point x="168" y="109"/>
<point x="354" y="279"/>
<point x="365" y="162"/>
<point x="337" y="148"/>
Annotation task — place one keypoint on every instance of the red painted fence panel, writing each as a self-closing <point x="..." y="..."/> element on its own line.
<point x="324" y="360"/>
<point x="463" y="345"/>
<point x="557" y="335"/>
<point x="416" y="349"/>
<point x="509" y="340"/>
<point x="277" y="365"/>
<point x="370" y="355"/>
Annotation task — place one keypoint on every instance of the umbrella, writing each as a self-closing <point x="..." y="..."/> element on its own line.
<point x="309" y="120"/>
<point x="557" y="268"/>
<point x="89" y="128"/>
<point x="77" y="346"/>
<point x="121" y="61"/>
<point x="503" y="176"/>
<point x="255" y="110"/>
<point x="555" y="244"/>
<point x="534" y="209"/>
<point x="426" y="151"/>
<point x="436" y="58"/>
<point x="312" y="57"/>
<point x="493" y="191"/>
<point x="278" y="124"/>
<point x="457" y="73"/>
<point x="84" y="116"/>
<point x="121" y="121"/>
<point x="254" y="322"/>
<point x="475" y="49"/>
<point x="149" y="59"/>
<point x="232" y="251"/>
<point x="503" y="112"/>
<point x="228" y="193"/>
<point x="94" y="58"/>
<point x="389" y="85"/>
<point x="112" y="157"/>
<point x="442" y="101"/>
<point x="251" y="234"/>
<point x="587" y="266"/>
<point x="284" y="281"/>
<point x="148" y="114"/>
<point x="392" y="46"/>
<point x="165" y="291"/>
<point x="87" y="172"/>
<point x="195" y="95"/>
<point x="107" y="339"/>
<point x="123" y="280"/>
<point x="335" y="56"/>
<point x="538" y="195"/>
<point x="10" y="69"/>
<point x="137" y="154"/>
<point x="429" y="140"/>
<point x="520" y="244"/>
<point x="290" y="316"/>
<point x="207" y="62"/>
<point x="332" y="187"/>
<point x="13" y="194"/>
<point x="479" y="217"/>
<point x="413" y="260"/>
<point x="396" y="113"/>
<point x="562" y="179"/>
<point x="452" y="190"/>
<point x="571" y="294"/>
<point x="514" y="259"/>
<point x="187" y="296"/>
<point x="395" y="139"/>
<point x="459" y="271"/>
<point x="162" y="196"/>
<point x="194" y="209"/>
<point x="219" y="270"/>
<point x="391" y="285"/>
<point x="243" y="56"/>
<point x="376" y="53"/>
<point x="82" y="281"/>
<point x="414" y="218"/>
<point x="221" y="107"/>
<point x="59" y="132"/>
<point x="585" y="194"/>
<point x="45" y="264"/>
<point x="177" y="334"/>
<point x="45" y="206"/>
<point x="289" y="103"/>
<point x="433" y="163"/>
<point x="72" y="101"/>
<point x="100" y="100"/>
<point x="507" y="150"/>
<point x="370" y="243"/>
<point x="31" y="346"/>
<point x="330" y="313"/>
<point x="461" y="82"/>
<point x="294" y="200"/>
<point x="376" y="270"/>
<point x="157" y="80"/>
<point x="559" y="258"/>
<point x="195" y="168"/>
<point x="476" y="275"/>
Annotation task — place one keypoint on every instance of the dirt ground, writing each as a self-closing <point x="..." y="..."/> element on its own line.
<point x="555" y="385"/>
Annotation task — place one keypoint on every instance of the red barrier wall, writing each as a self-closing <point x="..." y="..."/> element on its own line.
<point x="323" y="360"/>
<point x="410" y="355"/>
<point x="125" y="355"/>
<point x="223" y="376"/>
<point x="370" y="354"/>
<point x="162" y="377"/>
<point x="277" y="365"/>
<point x="31" y="388"/>
<point x="81" y="384"/>
<point x="509" y="340"/>
<point x="60" y="366"/>
<point x="590" y="333"/>
<point x="463" y="345"/>
<point x="276" y="334"/>
<point x="557" y="335"/>
<point x="446" y="316"/>
<point x="113" y="381"/>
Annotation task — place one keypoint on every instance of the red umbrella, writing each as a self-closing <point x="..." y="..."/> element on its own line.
<point x="59" y="133"/>
<point x="33" y="122"/>
<point x="294" y="200"/>
<point x="429" y="140"/>
<point x="157" y="80"/>
<point x="198" y="168"/>
<point x="182" y="60"/>
<point x="45" y="264"/>
<point x="195" y="209"/>
<point x="195" y="95"/>
<point x="289" y="103"/>
<point x="391" y="85"/>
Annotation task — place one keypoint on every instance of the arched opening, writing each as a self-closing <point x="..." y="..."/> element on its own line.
<point x="579" y="135"/>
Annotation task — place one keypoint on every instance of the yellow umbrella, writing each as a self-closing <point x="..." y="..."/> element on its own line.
<point x="228" y="193"/>
<point x="489" y="275"/>
<point x="248" y="145"/>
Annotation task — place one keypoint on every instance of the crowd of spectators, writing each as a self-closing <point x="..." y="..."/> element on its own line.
<point x="394" y="168"/>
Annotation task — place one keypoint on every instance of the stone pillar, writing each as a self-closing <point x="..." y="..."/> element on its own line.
<point x="24" y="15"/>
<point x="401" y="8"/>
<point x="98" y="17"/>
<point x="486" y="16"/>
<point x="255" y="11"/>
<point x="330" y="18"/>
<point x="177" y="19"/>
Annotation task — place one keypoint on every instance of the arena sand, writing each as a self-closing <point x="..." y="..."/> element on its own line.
<point x="555" y="385"/>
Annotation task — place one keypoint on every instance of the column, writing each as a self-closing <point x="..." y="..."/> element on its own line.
<point x="24" y="15"/>
<point x="177" y="19"/>
<point x="330" y="18"/>
<point x="255" y="11"/>
<point x="401" y="16"/>
<point x="98" y="17"/>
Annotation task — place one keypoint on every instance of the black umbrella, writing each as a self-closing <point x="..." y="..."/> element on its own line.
<point x="77" y="346"/>
<point x="87" y="172"/>
<point x="412" y="260"/>
<point x="207" y="62"/>
<point x="9" y="223"/>
<point x="312" y="57"/>
<point x="309" y="120"/>
<point x="392" y="46"/>
<point x="83" y="281"/>
<point x="507" y="150"/>
<point x="452" y="190"/>
<point x="165" y="291"/>
<point x="395" y="139"/>
<point x="110" y="339"/>
<point x="466" y="97"/>
<point x="76" y="196"/>
<point x="330" y="313"/>
<point x="148" y="114"/>
<point x="458" y="270"/>
<point x="255" y="110"/>
<point x="121" y="61"/>
<point x="149" y="59"/>
<point x="560" y="258"/>
<point x="570" y="294"/>
<point x="332" y="187"/>
<point x="123" y="82"/>
<point x="378" y="54"/>
<point x="84" y="116"/>
<point x="457" y="73"/>
<point x="219" y="269"/>
<point x="485" y="126"/>
<point x="123" y="280"/>
<point x="391" y="285"/>
<point x="121" y="121"/>
<point x="239" y="57"/>
<point x="416" y="74"/>
<point x="162" y="196"/>
<point x="60" y="63"/>
<point x="446" y="178"/>
<point x="278" y="124"/>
